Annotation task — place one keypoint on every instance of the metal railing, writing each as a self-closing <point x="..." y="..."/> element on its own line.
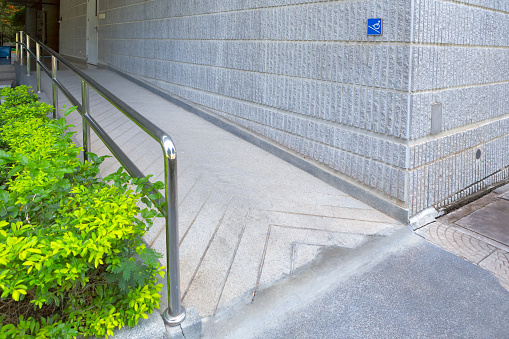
<point x="175" y="313"/>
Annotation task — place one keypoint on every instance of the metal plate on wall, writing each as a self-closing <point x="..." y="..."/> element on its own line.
<point x="436" y="118"/>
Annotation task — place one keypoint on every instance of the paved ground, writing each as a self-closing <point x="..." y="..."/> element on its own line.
<point x="399" y="287"/>
<point x="247" y="218"/>
<point x="477" y="232"/>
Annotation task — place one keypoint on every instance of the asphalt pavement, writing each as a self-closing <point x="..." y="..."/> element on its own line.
<point x="400" y="287"/>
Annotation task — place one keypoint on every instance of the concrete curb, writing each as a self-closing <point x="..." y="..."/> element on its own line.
<point x="153" y="327"/>
<point x="189" y="329"/>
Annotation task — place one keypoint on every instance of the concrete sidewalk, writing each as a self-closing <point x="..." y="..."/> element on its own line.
<point x="269" y="251"/>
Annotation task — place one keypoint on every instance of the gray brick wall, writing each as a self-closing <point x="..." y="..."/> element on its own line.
<point x="305" y="75"/>
<point x="460" y="58"/>
<point x="73" y="28"/>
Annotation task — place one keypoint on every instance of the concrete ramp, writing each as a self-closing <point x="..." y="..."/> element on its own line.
<point x="247" y="218"/>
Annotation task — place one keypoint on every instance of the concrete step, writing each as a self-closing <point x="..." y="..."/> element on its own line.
<point x="7" y="75"/>
<point x="7" y="72"/>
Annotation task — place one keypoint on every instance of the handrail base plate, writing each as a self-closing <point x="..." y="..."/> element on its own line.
<point x="174" y="321"/>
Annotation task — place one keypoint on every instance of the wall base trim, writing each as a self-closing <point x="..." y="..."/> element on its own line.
<point x="423" y="218"/>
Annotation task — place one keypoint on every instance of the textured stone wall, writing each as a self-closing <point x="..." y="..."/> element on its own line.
<point x="73" y="28"/>
<point x="460" y="58"/>
<point x="305" y="75"/>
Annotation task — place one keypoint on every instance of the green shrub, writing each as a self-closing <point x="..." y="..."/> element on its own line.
<point x="18" y="96"/>
<point x="68" y="240"/>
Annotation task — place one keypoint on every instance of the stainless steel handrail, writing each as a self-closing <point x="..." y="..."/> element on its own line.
<point x="175" y="313"/>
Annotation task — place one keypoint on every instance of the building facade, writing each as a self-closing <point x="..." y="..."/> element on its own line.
<point x="417" y="117"/>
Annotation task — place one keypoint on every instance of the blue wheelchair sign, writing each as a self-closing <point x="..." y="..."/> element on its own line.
<point x="375" y="26"/>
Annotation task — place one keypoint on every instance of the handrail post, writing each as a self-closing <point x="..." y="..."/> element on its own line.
<point x="55" y="90"/>
<point x="38" y="67"/>
<point x="28" y="56"/>
<point x="175" y="313"/>
<point x="17" y="43"/>
<point x="85" y="107"/>
<point x="21" y="48"/>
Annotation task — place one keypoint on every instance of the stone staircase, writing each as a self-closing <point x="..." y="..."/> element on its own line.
<point x="7" y="75"/>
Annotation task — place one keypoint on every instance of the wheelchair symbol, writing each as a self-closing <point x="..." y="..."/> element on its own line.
<point x="374" y="26"/>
